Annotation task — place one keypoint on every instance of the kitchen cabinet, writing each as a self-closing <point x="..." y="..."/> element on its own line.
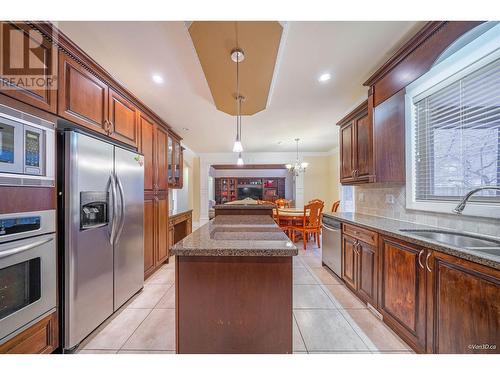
<point x="402" y="290"/>
<point x="180" y="225"/>
<point x="359" y="262"/>
<point x="41" y="338"/>
<point x="82" y="97"/>
<point x="356" y="147"/>
<point x="88" y="101"/>
<point x="149" y="234"/>
<point x="162" y="249"/>
<point x="154" y="146"/>
<point x="175" y="163"/>
<point x="122" y="119"/>
<point x="156" y="236"/>
<point x="161" y="159"/>
<point x="147" y="148"/>
<point x="349" y="258"/>
<point x="463" y="306"/>
<point x="41" y="62"/>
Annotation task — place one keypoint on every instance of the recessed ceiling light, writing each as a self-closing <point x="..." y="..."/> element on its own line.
<point x="324" y="77"/>
<point x="157" y="78"/>
<point x="185" y="129"/>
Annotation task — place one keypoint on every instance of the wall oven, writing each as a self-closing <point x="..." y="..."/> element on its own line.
<point x="27" y="270"/>
<point x="27" y="149"/>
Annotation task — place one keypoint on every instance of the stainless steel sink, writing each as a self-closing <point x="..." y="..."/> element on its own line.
<point x="457" y="239"/>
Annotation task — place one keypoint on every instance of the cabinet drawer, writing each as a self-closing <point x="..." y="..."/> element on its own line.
<point x="40" y="338"/>
<point x="364" y="235"/>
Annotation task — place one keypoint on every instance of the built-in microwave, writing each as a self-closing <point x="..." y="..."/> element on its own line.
<point x="27" y="147"/>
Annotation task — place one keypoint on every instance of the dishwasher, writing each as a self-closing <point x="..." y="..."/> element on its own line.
<point x="332" y="243"/>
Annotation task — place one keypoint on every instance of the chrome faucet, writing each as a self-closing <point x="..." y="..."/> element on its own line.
<point x="460" y="207"/>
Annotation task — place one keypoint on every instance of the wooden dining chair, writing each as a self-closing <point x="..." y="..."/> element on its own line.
<point x="335" y="206"/>
<point x="316" y="200"/>
<point x="282" y="203"/>
<point x="311" y="224"/>
<point x="282" y="222"/>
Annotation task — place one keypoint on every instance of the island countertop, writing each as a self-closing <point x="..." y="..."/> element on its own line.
<point x="237" y="235"/>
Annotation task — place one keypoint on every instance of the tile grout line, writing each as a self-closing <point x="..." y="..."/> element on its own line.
<point x="300" y="332"/>
<point x="128" y="338"/>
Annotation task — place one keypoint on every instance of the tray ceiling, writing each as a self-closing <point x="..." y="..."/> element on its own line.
<point x="259" y="40"/>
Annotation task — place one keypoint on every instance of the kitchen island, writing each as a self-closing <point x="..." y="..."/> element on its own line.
<point x="234" y="287"/>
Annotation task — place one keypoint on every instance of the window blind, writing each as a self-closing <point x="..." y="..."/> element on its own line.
<point x="457" y="137"/>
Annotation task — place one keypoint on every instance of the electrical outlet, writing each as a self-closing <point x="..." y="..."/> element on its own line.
<point x="389" y="198"/>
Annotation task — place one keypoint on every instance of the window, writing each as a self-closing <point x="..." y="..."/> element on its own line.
<point x="453" y="132"/>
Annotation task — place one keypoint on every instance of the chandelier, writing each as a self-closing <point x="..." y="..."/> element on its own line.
<point x="297" y="166"/>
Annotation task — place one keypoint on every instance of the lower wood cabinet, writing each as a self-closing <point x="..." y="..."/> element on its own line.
<point x="463" y="306"/>
<point x="402" y="290"/>
<point x="349" y="261"/>
<point x="359" y="268"/>
<point x="40" y="338"/>
<point x="156" y="248"/>
<point x="180" y="225"/>
<point x="149" y="235"/>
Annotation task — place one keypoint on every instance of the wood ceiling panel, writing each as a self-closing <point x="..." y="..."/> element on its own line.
<point x="259" y="40"/>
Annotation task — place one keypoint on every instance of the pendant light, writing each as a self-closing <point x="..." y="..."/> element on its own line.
<point x="237" y="55"/>
<point x="240" y="160"/>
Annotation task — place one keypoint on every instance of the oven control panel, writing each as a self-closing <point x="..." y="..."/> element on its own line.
<point x="19" y="225"/>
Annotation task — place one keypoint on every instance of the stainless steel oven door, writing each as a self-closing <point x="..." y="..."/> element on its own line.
<point x="27" y="282"/>
<point x="11" y="146"/>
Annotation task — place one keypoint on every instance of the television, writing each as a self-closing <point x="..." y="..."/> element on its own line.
<point x="250" y="192"/>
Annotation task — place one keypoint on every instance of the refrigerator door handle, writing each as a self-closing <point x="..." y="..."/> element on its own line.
<point x="122" y="209"/>
<point x="112" y="231"/>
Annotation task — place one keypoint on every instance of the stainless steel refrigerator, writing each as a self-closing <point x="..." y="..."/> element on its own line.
<point x="103" y="231"/>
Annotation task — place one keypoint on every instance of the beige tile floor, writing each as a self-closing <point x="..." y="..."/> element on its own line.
<point x="327" y="317"/>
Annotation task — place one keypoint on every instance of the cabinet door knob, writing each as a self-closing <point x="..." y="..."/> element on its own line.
<point x="427" y="261"/>
<point x="352" y="173"/>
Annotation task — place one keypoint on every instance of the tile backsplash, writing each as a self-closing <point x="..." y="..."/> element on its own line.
<point x="389" y="200"/>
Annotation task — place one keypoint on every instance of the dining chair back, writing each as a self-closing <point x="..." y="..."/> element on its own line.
<point x="313" y="220"/>
<point x="282" y="203"/>
<point x="335" y="206"/>
<point x="311" y="223"/>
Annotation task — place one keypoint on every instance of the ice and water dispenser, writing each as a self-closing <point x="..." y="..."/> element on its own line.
<point x="94" y="210"/>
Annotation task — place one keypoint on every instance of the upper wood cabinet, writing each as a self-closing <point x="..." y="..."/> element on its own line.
<point x="83" y="98"/>
<point x="28" y="54"/>
<point x="161" y="159"/>
<point x="372" y="143"/>
<point x="356" y="147"/>
<point x="175" y="163"/>
<point x="148" y="149"/>
<point x="122" y="119"/>
<point x="86" y="100"/>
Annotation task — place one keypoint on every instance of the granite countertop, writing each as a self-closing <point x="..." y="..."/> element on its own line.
<point x="172" y="213"/>
<point x="237" y="235"/>
<point x="392" y="228"/>
<point x="245" y="206"/>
